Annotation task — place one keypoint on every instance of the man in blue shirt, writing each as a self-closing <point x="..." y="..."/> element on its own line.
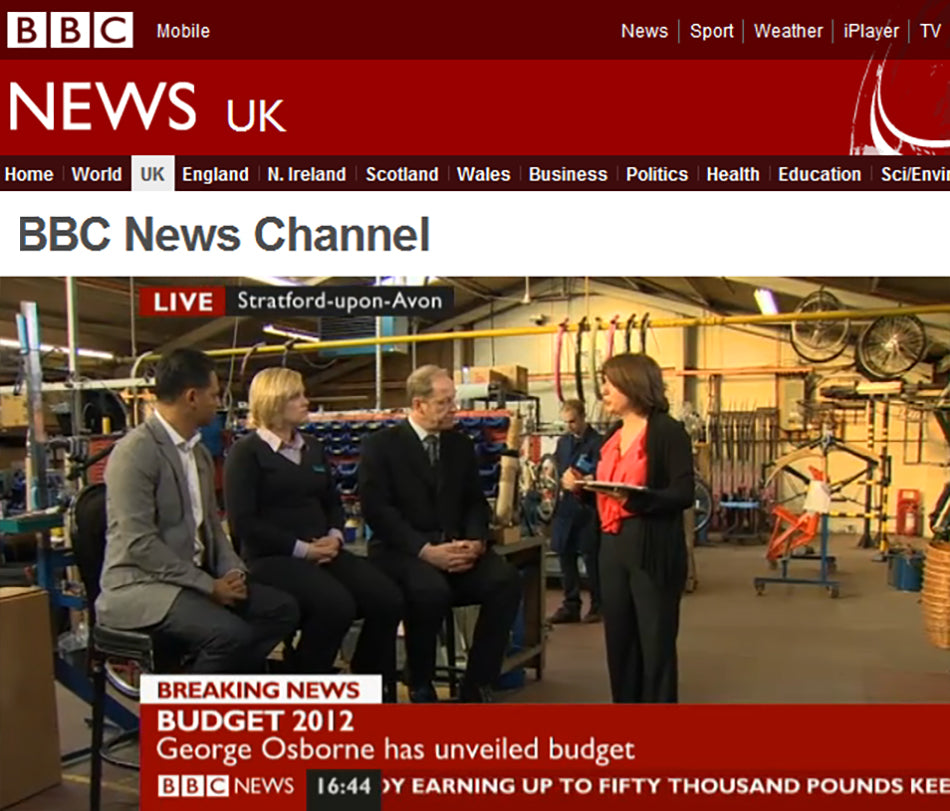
<point x="575" y="531"/>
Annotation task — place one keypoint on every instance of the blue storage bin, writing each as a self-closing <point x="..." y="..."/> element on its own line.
<point x="490" y="471"/>
<point x="905" y="571"/>
<point x="495" y="422"/>
<point x="213" y="436"/>
<point x="517" y="677"/>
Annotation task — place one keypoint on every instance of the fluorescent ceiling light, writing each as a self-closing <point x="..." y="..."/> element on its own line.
<point x="766" y="301"/>
<point x="407" y="281"/>
<point x="270" y="329"/>
<point x="277" y="281"/>
<point x="83" y="353"/>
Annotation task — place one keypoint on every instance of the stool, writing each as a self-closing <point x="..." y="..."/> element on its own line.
<point x="88" y="522"/>
<point x="453" y="672"/>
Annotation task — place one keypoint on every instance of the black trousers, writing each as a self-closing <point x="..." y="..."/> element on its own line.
<point x="492" y="583"/>
<point x="331" y="596"/>
<point x="224" y="640"/>
<point x="641" y="622"/>
<point x="571" y="578"/>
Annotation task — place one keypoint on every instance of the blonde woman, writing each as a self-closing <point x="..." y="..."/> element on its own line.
<point x="286" y="517"/>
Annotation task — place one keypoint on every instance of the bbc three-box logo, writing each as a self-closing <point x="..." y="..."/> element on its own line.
<point x="69" y="29"/>
<point x="194" y="785"/>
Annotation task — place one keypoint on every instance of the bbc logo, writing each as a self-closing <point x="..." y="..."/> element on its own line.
<point x="194" y="785"/>
<point x="69" y="29"/>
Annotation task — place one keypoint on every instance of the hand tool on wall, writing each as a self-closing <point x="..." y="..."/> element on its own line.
<point x="582" y="327"/>
<point x="594" y="332"/>
<point x="631" y="323"/>
<point x="614" y="323"/>
<point x="558" y="347"/>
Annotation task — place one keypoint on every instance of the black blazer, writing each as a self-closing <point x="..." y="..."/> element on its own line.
<point x="657" y="528"/>
<point x="272" y="503"/>
<point x="407" y="503"/>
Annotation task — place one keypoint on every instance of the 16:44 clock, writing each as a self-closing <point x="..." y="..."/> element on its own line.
<point x="344" y="789"/>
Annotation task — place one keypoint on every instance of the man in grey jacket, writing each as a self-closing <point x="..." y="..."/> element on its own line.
<point x="169" y="567"/>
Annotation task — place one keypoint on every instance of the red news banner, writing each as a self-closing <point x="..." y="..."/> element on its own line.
<point x="307" y="743"/>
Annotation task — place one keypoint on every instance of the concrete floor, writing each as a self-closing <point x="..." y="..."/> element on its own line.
<point x="794" y="644"/>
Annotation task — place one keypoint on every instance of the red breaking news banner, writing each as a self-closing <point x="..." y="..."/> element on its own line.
<point x="307" y="743"/>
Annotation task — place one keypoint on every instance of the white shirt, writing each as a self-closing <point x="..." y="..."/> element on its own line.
<point x="421" y="432"/>
<point x="186" y="452"/>
<point x="292" y="451"/>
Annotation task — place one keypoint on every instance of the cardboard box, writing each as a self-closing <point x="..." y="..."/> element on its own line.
<point x="481" y="374"/>
<point x="29" y="732"/>
<point x="13" y="411"/>
<point x="516" y="377"/>
<point x="506" y="535"/>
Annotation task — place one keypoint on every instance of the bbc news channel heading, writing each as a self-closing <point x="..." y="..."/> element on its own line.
<point x="271" y="233"/>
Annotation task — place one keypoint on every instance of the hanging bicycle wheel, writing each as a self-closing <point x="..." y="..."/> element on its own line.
<point x="703" y="504"/>
<point x="124" y="676"/>
<point x="548" y="486"/>
<point x="820" y="341"/>
<point x="891" y="346"/>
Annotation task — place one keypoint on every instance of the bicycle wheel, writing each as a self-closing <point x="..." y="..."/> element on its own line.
<point x="703" y="504"/>
<point x="124" y="675"/>
<point x="891" y="346"/>
<point x="820" y="341"/>
<point x="548" y="487"/>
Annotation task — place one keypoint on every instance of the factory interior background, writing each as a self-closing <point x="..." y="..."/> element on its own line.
<point x="853" y="609"/>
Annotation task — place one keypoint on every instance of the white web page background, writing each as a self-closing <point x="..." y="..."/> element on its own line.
<point x="511" y="233"/>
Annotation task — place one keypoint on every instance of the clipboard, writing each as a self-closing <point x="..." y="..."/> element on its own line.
<point x="610" y="487"/>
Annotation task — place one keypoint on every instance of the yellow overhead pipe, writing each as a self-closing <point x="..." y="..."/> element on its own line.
<point x="512" y="332"/>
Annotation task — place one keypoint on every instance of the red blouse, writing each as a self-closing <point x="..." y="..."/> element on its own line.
<point x="629" y="468"/>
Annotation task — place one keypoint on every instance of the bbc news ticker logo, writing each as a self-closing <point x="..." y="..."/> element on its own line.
<point x="69" y="29"/>
<point x="194" y="785"/>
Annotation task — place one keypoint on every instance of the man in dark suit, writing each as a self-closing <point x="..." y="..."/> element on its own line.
<point x="575" y="530"/>
<point x="421" y="496"/>
<point x="169" y="567"/>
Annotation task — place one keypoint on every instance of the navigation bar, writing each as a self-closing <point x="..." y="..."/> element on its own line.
<point x="612" y="29"/>
<point x="472" y="173"/>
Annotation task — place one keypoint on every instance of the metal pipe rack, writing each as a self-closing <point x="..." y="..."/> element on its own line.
<point x="40" y="519"/>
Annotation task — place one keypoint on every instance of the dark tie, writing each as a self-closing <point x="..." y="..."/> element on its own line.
<point x="432" y="448"/>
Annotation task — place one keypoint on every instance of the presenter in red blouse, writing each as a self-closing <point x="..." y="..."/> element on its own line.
<point x="648" y="457"/>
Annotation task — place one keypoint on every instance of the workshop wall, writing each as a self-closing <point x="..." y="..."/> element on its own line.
<point x="719" y="348"/>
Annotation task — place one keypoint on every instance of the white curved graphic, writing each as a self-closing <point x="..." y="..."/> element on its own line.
<point x="877" y="110"/>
